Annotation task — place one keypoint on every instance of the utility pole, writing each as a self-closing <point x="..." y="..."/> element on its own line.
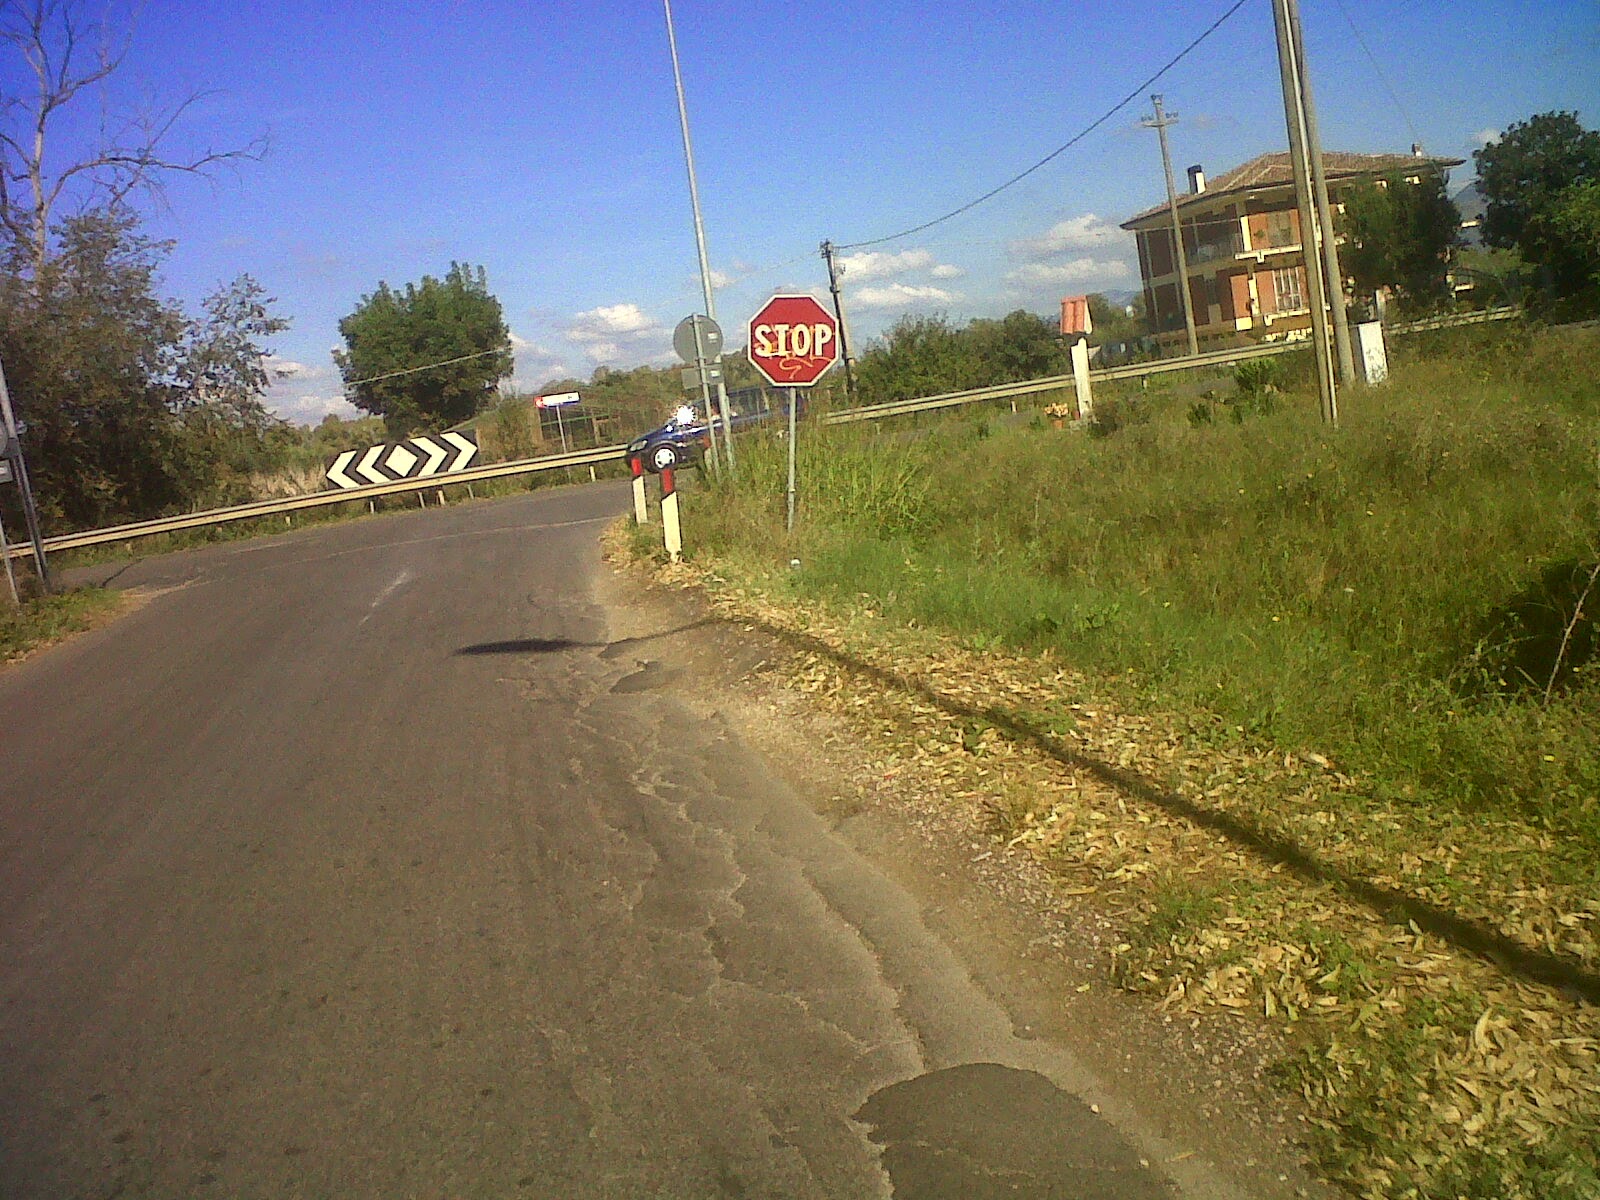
<point x="838" y="313"/>
<point x="1294" y="118"/>
<point x="1159" y="123"/>
<point x="699" y="234"/>
<point x="1319" y="189"/>
<point x="30" y="512"/>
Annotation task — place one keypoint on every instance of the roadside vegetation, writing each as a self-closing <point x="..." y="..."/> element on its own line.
<point x="43" y="620"/>
<point x="1365" y="773"/>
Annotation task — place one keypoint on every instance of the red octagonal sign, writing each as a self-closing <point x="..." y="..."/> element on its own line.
<point x="793" y="340"/>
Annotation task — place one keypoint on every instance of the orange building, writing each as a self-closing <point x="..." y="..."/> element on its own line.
<point x="1241" y="235"/>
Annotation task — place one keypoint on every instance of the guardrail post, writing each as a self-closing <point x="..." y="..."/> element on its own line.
<point x="1080" y="379"/>
<point x="641" y="509"/>
<point x="672" y="533"/>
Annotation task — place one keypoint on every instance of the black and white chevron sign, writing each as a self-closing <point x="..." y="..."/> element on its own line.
<point x="415" y="458"/>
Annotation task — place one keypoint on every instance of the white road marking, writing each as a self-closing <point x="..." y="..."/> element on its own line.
<point x="399" y="580"/>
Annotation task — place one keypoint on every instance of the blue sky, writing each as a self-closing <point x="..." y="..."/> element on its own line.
<point x="540" y="140"/>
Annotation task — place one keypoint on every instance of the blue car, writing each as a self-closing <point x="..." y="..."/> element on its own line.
<point x="685" y="438"/>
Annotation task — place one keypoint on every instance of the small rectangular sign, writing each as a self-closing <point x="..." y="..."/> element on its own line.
<point x="691" y="377"/>
<point x="557" y="400"/>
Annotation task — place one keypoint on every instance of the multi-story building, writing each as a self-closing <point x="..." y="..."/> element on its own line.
<point x="1241" y="235"/>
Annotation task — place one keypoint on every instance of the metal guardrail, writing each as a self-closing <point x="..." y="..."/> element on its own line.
<point x="1215" y="358"/>
<point x="895" y="408"/>
<point x="273" y="508"/>
<point x="1450" y="322"/>
<point x="579" y="458"/>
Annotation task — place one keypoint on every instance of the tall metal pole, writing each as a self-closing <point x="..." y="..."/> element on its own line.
<point x="1159" y="123"/>
<point x="1319" y="191"/>
<point x="1294" y="118"/>
<point x="794" y="404"/>
<point x="705" y="389"/>
<point x="11" y="577"/>
<point x="30" y="512"/>
<point x="699" y="229"/>
<point x="838" y="313"/>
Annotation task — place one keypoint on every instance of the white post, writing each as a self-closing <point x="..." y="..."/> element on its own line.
<point x="794" y="403"/>
<point x="1080" y="378"/>
<point x="641" y="508"/>
<point x="1374" y="360"/>
<point x="672" y="533"/>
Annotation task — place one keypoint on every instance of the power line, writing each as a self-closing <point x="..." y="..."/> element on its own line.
<point x="1065" y="146"/>
<point x="1382" y="77"/>
<point x="431" y="366"/>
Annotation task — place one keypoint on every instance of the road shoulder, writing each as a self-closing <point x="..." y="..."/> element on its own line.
<point x="1198" y="1081"/>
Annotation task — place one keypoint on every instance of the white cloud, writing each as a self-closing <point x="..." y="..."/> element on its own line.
<point x="602" y="352"/>
<point x="899" y="294"/>
<point x="310" y="408"/>
<point x="1486" y="136"/>
<point x="947" y="271"/>
<point x="611" y="321"/>
<point x="534" y="363"/>
<point x="281" y="368"/>
<point x="303" y="393"/>
<point x="613" y="333"/>
<point x="720" y="279"/>
<point x="1075" y="271"/>
<point x="1087" y="232"/>
<point x="881" y="264"/>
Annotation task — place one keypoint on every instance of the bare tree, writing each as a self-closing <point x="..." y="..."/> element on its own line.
<point x="69" y="56"/>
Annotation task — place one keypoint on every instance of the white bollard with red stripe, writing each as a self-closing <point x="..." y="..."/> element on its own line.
<point x="641" y="510"/>
<point x="672" y="534"/>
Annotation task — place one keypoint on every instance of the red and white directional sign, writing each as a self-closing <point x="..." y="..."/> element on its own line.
<point x="793" y="340"/>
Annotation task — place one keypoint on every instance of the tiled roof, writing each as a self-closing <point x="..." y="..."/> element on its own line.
<point x="1273" y="170"/>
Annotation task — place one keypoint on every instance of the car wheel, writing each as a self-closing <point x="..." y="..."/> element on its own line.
<point x="664" y="457"/>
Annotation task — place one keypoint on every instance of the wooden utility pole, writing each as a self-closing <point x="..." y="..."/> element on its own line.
<point x="838" y="313"/>
<point x="1319" y="191"/>
<point x="1294" y="118"/>
<point x="1159" y="123"/>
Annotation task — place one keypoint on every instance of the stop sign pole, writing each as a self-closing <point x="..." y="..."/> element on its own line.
<point x="793" y="342"/>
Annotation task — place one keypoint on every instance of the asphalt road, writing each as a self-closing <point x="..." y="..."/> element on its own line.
<point x="369" y="861"/>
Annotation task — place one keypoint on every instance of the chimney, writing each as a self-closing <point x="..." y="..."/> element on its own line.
<point x="1197" y="180"/>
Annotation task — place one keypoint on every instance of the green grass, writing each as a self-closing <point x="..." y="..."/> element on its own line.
<point x="45" y="619"/>
<point x="1393" y="593"/>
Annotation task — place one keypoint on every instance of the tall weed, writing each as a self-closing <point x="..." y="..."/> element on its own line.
<point x="1343" y="590"/>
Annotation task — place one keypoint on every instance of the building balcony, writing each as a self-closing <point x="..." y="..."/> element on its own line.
<point x="1262" y="253"/>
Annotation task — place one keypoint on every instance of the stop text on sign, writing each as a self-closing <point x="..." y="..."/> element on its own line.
<point x="792" y="341"/>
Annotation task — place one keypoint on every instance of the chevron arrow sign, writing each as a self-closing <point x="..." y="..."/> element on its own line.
<point x="415" y="458"/>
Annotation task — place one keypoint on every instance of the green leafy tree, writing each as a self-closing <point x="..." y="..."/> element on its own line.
<point x="428" y="356"/>
<point x="1576" y="220"/>
<point x="1525" y="177"/>
<point x="132" y="407"/>
<point x="925" y="355"/>
<point x="1114" y="323"/>
<point x="1400" y="235"/>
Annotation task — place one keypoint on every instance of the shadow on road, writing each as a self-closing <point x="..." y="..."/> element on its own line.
<point x="556" y="645"/>
<point x="1474" y="937"/>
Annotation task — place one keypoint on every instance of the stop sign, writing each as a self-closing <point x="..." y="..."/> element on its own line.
<point x="793" y="340"/>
